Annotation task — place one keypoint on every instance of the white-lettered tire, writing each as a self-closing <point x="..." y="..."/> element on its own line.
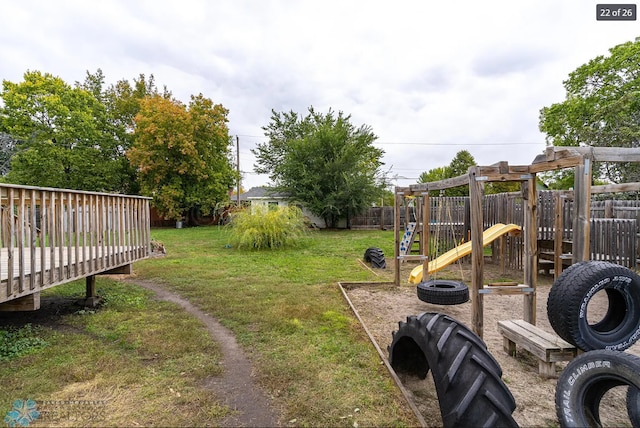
<point x="568" y="306"/>
<point x="585" y="381"/>
<point x="467" y="377"/>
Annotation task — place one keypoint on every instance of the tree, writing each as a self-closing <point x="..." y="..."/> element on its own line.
<point x="323" y="162"/>
<point x="434" y="174"/>
<point x="122" y="102"/>
<point x="182" y="154"/>
<point x="459" y="166"/>
<point x="61" y="134"/>
<point x="7" y="150"/>
<point x="602" y="108"/>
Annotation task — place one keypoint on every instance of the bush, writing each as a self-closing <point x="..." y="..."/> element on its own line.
<point x="259" y="228"/>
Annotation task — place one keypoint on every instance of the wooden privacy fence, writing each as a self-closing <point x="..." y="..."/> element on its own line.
<point x="52" y="236"/>
<point x="614" y="240"/>
<point x="614" y="223"/>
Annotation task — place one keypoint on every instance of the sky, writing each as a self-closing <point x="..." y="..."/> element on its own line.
<point x="429" y="78"/>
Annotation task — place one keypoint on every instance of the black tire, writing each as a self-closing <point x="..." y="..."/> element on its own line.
<point x="375" y="256"/>
<point x="467" y="377"/>
<point x="443" y="292"/>
<point x="633" y="406"/>
<point x="567" y="306"/>
<point x="586" y="379"/>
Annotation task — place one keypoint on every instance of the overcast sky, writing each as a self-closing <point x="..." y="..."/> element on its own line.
<point x="430" y="78"/>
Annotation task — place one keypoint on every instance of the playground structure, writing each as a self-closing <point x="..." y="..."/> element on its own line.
<point x="52" y="236"/>
<point x="459" y="251"/>
<point x="554" y="158"/>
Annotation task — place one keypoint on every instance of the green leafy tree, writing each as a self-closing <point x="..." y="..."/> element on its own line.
<point x="122" y="103"/>
<point x="434" y="174"/>
<point x="459" y="166"/>
<point x="323" y="162"/>
<point x="602" y="108"/>
<point x="182" y="154"/>
<point x="61" y="134"/>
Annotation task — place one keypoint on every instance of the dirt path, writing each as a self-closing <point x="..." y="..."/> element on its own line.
<point x="236" y="387"/>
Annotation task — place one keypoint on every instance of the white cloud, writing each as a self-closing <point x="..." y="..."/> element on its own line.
<point x="443" y="76"/>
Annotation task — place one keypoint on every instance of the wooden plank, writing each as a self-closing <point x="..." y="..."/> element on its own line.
<point x="21" y="219"/>
<point x="462" y="180"/>
<point x="11" y="245"/>
<point x="30" y="302"/>
<point x="44" y="229"/>
<point x="538" y="342"/>
<point x="521" y="289"/>
<point x="33" y="234"/>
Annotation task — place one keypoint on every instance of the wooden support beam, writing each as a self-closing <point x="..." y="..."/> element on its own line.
<point x="424" y="238"/>
<point x="91" y="299"/>
<point x="476" y="188"/>
<point x="121" y="270"/>
<point x="530" y="261"/>
<point x="30" y="302"/>
<point x="397" y="201"/>
<point x="582" y="212"/>
<point x="609" y="154"/>
<point x="462" y="180"/>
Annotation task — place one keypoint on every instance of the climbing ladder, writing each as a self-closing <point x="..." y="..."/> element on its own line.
<point x="407" y="239"/>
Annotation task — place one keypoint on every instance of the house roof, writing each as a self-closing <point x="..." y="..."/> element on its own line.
<point x="261" y="192"/>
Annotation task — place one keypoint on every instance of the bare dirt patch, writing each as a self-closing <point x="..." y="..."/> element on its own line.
<point x="381" y="307"/>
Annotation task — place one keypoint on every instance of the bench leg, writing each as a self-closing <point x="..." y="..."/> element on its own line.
<point x="509" y="346"/>
<point x="547" y="370"/>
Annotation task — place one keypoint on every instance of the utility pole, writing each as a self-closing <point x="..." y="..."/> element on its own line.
<point x="238" y="166"/>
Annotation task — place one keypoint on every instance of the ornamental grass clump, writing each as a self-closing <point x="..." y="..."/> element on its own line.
<point x="260" y="228"/>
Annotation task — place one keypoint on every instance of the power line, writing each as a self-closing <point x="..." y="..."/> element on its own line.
<point x="434" y="143"/>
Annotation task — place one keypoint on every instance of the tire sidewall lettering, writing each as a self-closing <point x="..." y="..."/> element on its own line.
<point x="618" y="282"/>
<point x="574" y="377"/>
<point x="584" y="368"/>
<point x="627" y="343"/>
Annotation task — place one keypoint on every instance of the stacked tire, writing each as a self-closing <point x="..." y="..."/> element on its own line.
<point x="568" y="306"/>
<point x="604" y="366"/>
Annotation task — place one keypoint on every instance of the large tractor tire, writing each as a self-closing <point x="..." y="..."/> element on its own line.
<point x="585" y="381"/>
<point x="568" y="306"/>
<point x="466" y="376"/>
<point x="375" y="256"/>
<point x="443" y="292"/>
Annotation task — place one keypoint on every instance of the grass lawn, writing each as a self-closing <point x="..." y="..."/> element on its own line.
<point x="148" y="358"/>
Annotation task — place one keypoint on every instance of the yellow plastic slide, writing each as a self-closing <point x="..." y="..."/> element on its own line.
<point x="488" y="236"/>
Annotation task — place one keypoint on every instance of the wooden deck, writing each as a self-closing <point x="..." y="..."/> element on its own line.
<point x="52" y="236"/>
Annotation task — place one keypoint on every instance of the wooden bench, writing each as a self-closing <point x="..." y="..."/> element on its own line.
<point x="548" y="347"/>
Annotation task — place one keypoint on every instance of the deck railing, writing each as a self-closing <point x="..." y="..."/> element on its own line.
<point x="51" y="236"/>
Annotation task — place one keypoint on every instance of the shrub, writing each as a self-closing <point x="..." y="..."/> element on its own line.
<point x="259" y="228"/>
